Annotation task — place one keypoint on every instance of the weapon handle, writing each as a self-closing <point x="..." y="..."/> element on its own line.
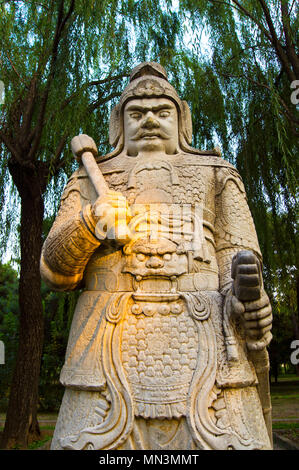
<point x="94" y="173"/>
<point x="101" y="188"/>
<point x="84" y="150"/>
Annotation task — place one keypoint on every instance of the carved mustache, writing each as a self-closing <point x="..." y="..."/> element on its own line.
<point x="148" y="133"/>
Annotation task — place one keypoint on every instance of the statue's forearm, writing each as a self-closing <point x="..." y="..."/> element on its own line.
<point x="224" y="258"/>
<point x="234" y="225"/>
<point x="68" y="249"/>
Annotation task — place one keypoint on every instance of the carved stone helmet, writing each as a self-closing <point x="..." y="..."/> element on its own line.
<point x="149" y="80"/>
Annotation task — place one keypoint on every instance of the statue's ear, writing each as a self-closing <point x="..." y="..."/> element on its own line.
<point x="186" y="122"/>
<point x="114" y="126"/>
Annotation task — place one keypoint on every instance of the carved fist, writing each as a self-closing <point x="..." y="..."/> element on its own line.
<point x="113" y="214"/>
<point x="250" y="301"/>
<point x="83" y="143"/>
<point x="247" y="276"/>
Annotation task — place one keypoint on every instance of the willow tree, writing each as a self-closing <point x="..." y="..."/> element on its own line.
<point x="62" y="63"/>
<point x="253" y="56"/>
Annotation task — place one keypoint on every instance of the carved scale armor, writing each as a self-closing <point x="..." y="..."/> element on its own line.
<point x="150" y="338"/>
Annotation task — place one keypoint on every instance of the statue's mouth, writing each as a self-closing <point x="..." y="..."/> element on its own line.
<point x="149" y="136"/>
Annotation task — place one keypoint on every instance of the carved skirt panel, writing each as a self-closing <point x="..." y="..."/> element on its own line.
<point x="159" y="355"/>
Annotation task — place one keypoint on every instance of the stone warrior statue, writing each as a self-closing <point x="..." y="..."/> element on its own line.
<point x="167" y="348"/>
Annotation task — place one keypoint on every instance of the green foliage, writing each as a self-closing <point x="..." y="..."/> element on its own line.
<point x="58" y="312"/>
<point x="286" y="425"/>
<point x="9" y="312"/>
<point x="37" y="444"/>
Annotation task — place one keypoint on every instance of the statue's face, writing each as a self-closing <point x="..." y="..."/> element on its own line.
<point x="150" y="125"/>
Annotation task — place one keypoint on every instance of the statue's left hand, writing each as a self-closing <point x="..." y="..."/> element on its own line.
<point x="257" y="319"/>
<point x="250" y="301"/>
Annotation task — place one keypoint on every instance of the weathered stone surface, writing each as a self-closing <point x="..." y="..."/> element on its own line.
<point x="167" y="348"/>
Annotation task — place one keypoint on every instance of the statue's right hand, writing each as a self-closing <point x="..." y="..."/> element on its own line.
<point x="113" y="215"/>
<point x="83" y="143"/>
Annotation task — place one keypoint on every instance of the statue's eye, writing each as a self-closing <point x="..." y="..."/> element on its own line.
<point x="140" y="257"/>
<point x="135" y="115"/>
<point x="167" y="256"/>
<point x="164" y="114"/>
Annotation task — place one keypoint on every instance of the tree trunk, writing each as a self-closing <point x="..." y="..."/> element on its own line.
<point x="295" y="317"/>
<point x="21" y="414"/>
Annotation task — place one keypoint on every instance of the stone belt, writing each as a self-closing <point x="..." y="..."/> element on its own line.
<point x="109" y="281"/>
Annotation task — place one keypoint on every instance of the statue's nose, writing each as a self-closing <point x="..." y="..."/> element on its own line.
<point x="150" y="122"/>
<point x="154" y="262"/>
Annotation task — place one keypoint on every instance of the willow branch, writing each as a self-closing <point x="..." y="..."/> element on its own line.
<point x="68" y="100"/>
<point x="90" y="84"/>
<point x="290" y="46"/>
<point x="276" y="44"/>
<point x="242" y="51"/>
<point x="255" y="20"/>
<point x="61" y="22"/>
<point x="14" y="68"/>
<point x="289" y="114"/>
<point x="14" y="153"/>
<point x="94" y="105"/>
<point x="8" y="145"/>
<point x="294" y="1"/>
<point x="30" y="2"/>
<point x="58" y="162"/>
<point x="28" y="111"/>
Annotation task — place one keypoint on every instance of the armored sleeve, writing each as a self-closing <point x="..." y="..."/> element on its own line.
<point x="71" y="240"/>
<point x="234" y="226"/>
